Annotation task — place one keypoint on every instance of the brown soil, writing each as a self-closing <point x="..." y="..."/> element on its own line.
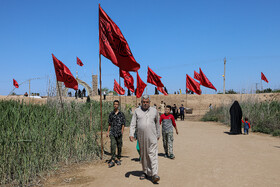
<point x="205" y="156"/>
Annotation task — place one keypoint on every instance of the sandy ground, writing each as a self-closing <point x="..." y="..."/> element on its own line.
<point x="205" y="156"/>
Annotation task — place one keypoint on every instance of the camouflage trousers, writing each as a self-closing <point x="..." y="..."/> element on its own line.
<point x="167" y="138"/>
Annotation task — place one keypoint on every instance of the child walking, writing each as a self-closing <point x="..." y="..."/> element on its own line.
<point x="168" y="122"/>
<point x="246" y="125"/>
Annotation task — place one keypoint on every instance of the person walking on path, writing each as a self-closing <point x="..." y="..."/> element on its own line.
<point x="168" y="122"/>
<point x="246" y="125"/>
<point x="182" y="112"/>
<point x="174" y="111"/>
<point x="104" y="95"/>
<point x="115" y="131"/>
<point x="145" y="120"/>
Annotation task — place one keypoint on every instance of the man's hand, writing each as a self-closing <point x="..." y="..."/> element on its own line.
<point x="131" y="138"/>
<point x="177" y="132"/>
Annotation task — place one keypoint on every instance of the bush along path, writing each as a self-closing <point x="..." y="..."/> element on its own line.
<point x="36" y="138"/>
<point x="263" y="116"/>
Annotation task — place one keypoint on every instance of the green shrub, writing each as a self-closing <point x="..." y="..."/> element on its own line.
<point x="264" y="117"/>
<point x="34" y="138"/>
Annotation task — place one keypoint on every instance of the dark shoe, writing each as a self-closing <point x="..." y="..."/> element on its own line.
<point x="143" y="176"/>
<point x="155" y="178"/>
<point x="171" y="156"/>
<point x="118" y="162"/>
<point x="111" y="164"/>
<point x="165" y="155"/>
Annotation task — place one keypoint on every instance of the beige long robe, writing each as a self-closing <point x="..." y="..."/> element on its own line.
<point x="148" y="131"/>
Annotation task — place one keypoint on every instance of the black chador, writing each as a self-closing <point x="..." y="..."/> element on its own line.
<point x="235" y="118"/>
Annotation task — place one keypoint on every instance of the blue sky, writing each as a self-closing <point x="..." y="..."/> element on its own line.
<point x="173" y="37"/>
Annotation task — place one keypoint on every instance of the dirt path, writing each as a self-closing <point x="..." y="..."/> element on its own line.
<point x="205" y="156"/>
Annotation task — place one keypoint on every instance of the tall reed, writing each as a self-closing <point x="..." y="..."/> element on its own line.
<point x="264" y="116"/>
<point x="34" y="138"/>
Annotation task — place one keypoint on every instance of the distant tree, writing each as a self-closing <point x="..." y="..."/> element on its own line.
<point x="268" y="90"/>
<point x="231" y="91"/>
<point x="112" y="91"/>
<point x="276" y="91"/>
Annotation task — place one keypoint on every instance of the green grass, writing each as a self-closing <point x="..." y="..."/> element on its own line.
<point x="36" y="138"/>
<point x="264" y="117"/>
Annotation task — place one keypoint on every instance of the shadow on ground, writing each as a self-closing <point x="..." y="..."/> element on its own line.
<point x="230" y="133"/>
<point x="137" y="174"/>
<point x="109" y="154"/>
<point x="135" y="159"/>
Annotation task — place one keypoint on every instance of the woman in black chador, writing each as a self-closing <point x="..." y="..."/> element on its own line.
<point x="235" y="118"/>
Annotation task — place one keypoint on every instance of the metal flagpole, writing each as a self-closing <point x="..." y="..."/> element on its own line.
<point x="224" y="89"/>
<point x="100" y="82"/>
<point x="101" y="126"/>
<point x="120" y="94"/>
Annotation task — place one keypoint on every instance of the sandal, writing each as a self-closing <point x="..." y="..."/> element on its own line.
<point x="155" y="178"/>
<point x="171" y="156"/>
<point x="143" y="176"/>
<point x="118" y="162"/>
<point x="111" y="164"/>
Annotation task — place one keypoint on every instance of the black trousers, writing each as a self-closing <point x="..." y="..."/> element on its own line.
<point x="182" y="115"/>
<point x="116" y="142"/>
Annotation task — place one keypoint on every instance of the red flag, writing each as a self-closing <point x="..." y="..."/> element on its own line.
<point x="79" y="62"/>
<point x="140" y="86"/>
<point x="63" y="74"/>
<point x="196" y="76"/>
<point x="154" y="79"/>
<point x="263" y="77"/>
<point x="118" y="88"/>
<point x="204" y="80"/>
<point x="161" y="90"/>
<point x="128" y="80"/>
<point x="15" y="83"/>
<point x="193" y="85"/>
<point x="113" y="45"/>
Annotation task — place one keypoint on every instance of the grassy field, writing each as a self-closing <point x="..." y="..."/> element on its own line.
<point x="36" y="138"/>
<point x="263" y="116"/>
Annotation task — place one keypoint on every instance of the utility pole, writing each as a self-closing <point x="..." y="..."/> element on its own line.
<point x="225" y="60"/>
<point x="29" y="87"/>
<point x="257" y="87"/>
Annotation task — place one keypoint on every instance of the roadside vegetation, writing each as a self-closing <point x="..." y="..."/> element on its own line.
<point x="263" y="116"/>
<point x="38" y="138"/>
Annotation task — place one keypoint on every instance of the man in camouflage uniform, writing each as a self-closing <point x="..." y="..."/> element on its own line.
<point x="115" y="130"/>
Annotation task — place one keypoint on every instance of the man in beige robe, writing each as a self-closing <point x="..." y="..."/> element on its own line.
<point x="145" y="120"/>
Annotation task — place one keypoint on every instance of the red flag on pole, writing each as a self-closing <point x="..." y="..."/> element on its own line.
<point x="204" y="81"/>
<point x="153" y="78"/>
<point x="196" y="76"/>
<point x="79" y="62"/>
<point x="128" y="80"/>
<point x="113" y="45"/>
<point x="140" y="86"/>
<point x="63" y="74"/>
<point x="15" y="83"/>
<point x="118" y="88"/>
<point x="263" y="77"/>
<point x="162" y="90"/>
<point x="193" y="85"/>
